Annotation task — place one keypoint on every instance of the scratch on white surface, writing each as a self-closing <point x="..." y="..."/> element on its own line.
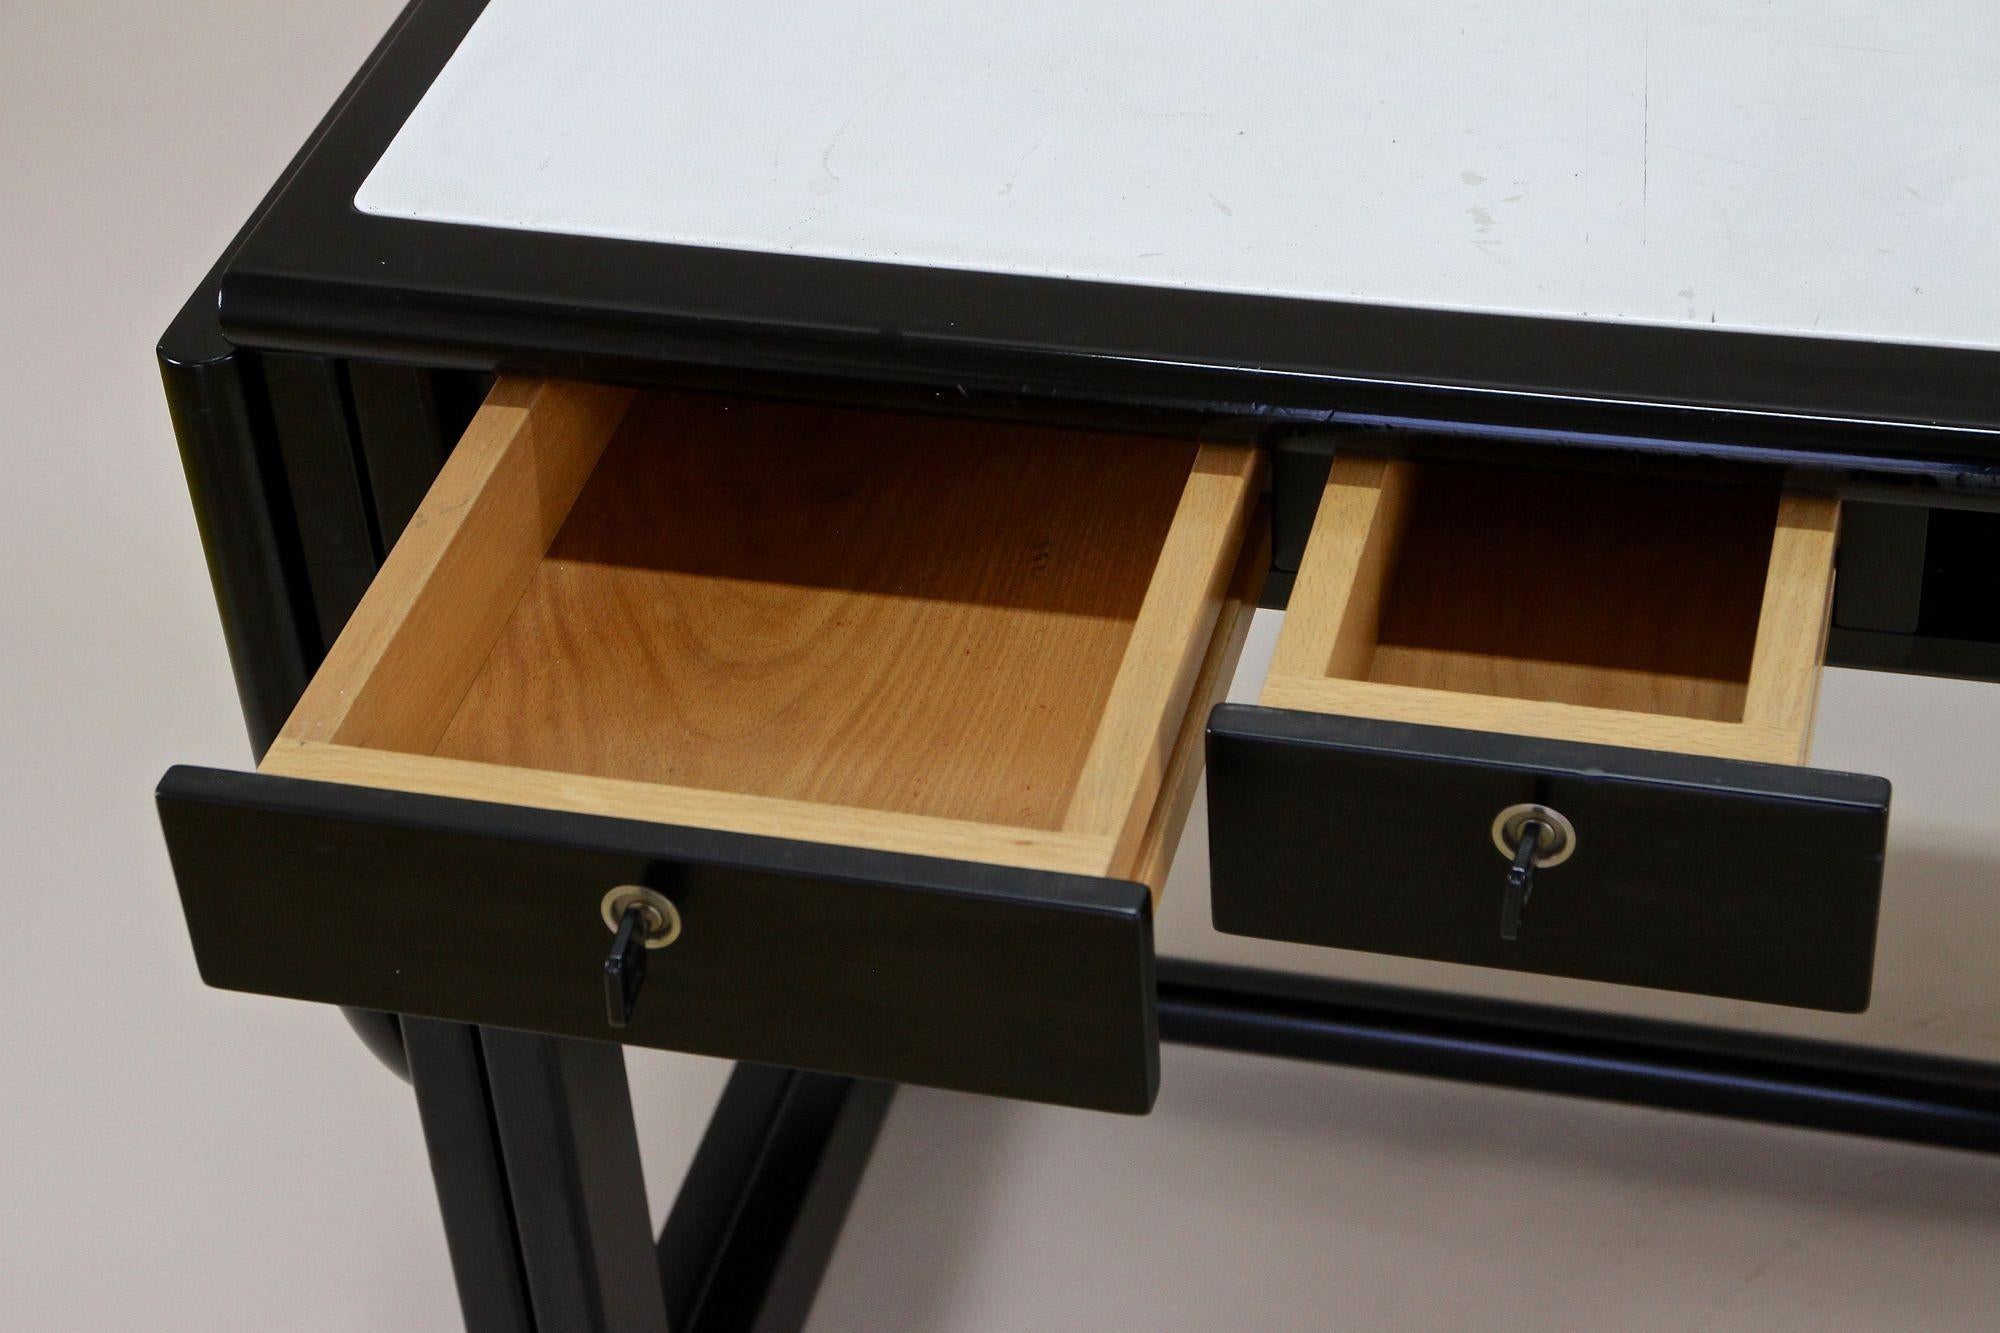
<point x="1646" y="127"/>
<point x="1720" y="157"/>
<point x="789" y="230"/>
<point x="1022" y="161"/>
<point x="881" y="91"/>
<point x="1589" y="48"/>
<point x="1871" y="50"/>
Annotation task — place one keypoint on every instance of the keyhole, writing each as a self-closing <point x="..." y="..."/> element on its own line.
<point x="1531" y="837"/>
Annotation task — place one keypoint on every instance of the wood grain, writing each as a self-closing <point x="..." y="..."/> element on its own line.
<point x="1143" y="714"/>
<point x="1797" y="610"/>
<point x="1530" y="717"/>
<point x="916" y="634"/>
<point x="918" y="835"/>
<point x="1605" y="591"/>
<point x="1334" y="614"/>
<point x="841" y="607"/>
<point x="411" y="648"/>
<point x="1620" y="610"/>
<point x="1154" y="856"/>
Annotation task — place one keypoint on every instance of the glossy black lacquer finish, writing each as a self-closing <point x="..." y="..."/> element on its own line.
<point x="320" y="276"/>
<point x="562" y="1115"/>
<point x="1719" y="877"/>
<point x="1753" y="1075"/>
<point x="1916" y="591"/>
<point x="754" y="1225"/>
<point x="235" y="483"/>
<point x="1010" y="982"/>
<point x="454" y="1102"/>
<point x="260" y="560"/>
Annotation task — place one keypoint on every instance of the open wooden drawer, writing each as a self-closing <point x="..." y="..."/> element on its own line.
<point x="1553" y="721"/>
<point x="899" y="715"/>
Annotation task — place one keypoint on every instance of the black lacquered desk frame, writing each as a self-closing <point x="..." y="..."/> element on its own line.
<point x="314" y="406"/>
<point x="303" y="469"/>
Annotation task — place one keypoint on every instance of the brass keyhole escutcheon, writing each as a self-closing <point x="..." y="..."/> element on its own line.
<point x="640" y="919"/>
<point x="1554" y="844"/>
<point x="1532" y="837"/>
<point x="663" y="919"/>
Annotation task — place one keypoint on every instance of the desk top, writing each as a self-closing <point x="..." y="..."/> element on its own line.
<point x="1761" y="230"/>
<point x="1805" y="167"/>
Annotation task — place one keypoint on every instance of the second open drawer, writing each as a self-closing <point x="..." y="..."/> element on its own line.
<point x="1622" y="667"/>
<point x="896" y="717"/>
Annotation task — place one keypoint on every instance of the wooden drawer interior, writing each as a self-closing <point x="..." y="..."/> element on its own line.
<point x="976" y="640"/>
<point x="1623" y="610"/>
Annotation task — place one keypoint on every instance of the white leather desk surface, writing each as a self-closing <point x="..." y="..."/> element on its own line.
<point x="1823" y="166"/>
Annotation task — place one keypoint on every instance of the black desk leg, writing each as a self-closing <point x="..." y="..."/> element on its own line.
<point x="536" y="1161"/>
<point x="564" y="1116"/>
<point x="448" y="1073"/>
<point x="760" y="1209"/>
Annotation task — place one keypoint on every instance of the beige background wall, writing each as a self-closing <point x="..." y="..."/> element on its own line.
<point x="175" y="1158"/>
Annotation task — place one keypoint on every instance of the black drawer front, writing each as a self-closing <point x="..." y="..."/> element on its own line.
<point x="1714" y="876"/>
<point x="1010" y="982"/>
